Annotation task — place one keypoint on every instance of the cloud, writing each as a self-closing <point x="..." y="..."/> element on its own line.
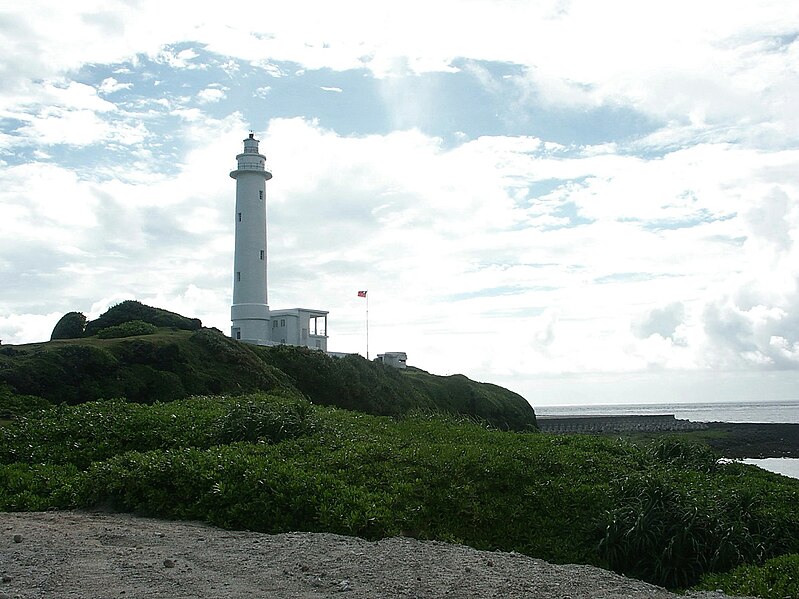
<point x="111" y="85"/>
<point x="769" y="220"/>
<point x="179" y="60"/>
<point x="753" y="321"/>
<point x="369" y="211"/>
<point x="21" y="328"/>
<point x="726" y="76"/>
<point x="90" y="237"/>
<point x="72" y="113"/>
<point x="210" y="95"/>
<point x="344" y="214"/>
<point x="760" y="337"/>
<point x="661" y="321"/>
<point x="73" y="127"/>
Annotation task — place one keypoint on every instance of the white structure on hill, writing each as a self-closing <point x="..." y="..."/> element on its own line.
<point x="252" y="320"/>
<point x="397" y="359"/>
<point x="300" y="326"/>
<point x="250" y="310"/>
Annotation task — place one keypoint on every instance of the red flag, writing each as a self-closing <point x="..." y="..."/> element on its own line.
<point x="361" y="294"/>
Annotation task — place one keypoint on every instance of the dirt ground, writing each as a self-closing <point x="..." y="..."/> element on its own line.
<point x="87" y="555"/>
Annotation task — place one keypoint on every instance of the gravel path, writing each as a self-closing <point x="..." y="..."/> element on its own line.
<point x="86" y="555"/>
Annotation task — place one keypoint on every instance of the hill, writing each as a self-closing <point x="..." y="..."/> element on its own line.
<point x="164" y="366"/>
<point x="175" y="362"/>
<point x="354" y="383"/>
<point x="131" y="310"/>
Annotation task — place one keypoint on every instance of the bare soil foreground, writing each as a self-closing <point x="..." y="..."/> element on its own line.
<point x="70" y="555"/>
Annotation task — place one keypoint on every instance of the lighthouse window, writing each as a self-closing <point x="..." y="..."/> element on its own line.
<point x="238" y="275"/>
<point x="260" y="195"/>
<point x="239" y="216"/>
<point x="262" y="254"/>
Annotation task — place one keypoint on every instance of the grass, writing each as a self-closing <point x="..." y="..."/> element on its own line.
<point x="777" y="578"/>
<point x="698" y="436"/>
<point x="163" y="335"/>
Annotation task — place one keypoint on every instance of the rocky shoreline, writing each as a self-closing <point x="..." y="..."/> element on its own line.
<point x="744" y="440"/>
<point x="732" y="440"/>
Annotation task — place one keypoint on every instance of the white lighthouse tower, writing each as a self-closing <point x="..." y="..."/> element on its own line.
<point x="250" y="309"/>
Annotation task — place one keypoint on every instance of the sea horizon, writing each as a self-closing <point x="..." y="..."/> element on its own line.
<point x="784" y="411"/>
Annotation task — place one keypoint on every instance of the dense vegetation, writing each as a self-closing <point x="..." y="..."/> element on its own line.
<point x="130" y="310"/>
<point x="156" y="367"/>
<point x="70" y="326"/>
<point x="142" y="363"/>
<point x="356" y="384"/>
<point x="13" y="404"/>
<point x="74" y="325"/>
<point x="778" y="578"/>
<point x="274" y="462"/>
<point x="132" y="328"/>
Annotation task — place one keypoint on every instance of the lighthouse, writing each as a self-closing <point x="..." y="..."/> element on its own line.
<point x="250" y="309"/>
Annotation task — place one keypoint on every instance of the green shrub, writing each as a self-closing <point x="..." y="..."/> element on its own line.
<point x="457" y="394"/>
<point x="127" y="329"/>
<point x="96" y="431"/>
<point x="778" y="578"/>
<point x="677" y="452"/>
<point x="13" y="405"/>
<point x="59" y="372"/>
<point x="132" y="310"/>
<point x="354" y="383"/>
<point x="160" y="367"/>
<point x="143" y="383"/>
<point x="70" y="326"/>
<point x="242" y="485"/>
<point x="37" y="487"/>
<point x="253" y="419"/>
<point x="672" y="525"/>
<point x="153" y="363"/>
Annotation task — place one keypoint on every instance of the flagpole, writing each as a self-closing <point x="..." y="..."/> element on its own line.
<point x="365" y="295"/>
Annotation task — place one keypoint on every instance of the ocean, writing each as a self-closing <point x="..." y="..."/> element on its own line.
<point x="786" y="411"/>
<point x="744" y="411"/>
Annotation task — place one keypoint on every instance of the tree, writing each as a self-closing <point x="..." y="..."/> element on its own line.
<point x="70" y="326"/>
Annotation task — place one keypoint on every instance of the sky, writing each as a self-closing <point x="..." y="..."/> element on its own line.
<point x="582" y="201"/>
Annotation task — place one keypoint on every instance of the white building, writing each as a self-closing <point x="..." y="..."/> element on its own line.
<point x="251" y="318"/>
<point x="300" y="326"/>
<point x="397" y="359"/>
<point x="250" y="310"/>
